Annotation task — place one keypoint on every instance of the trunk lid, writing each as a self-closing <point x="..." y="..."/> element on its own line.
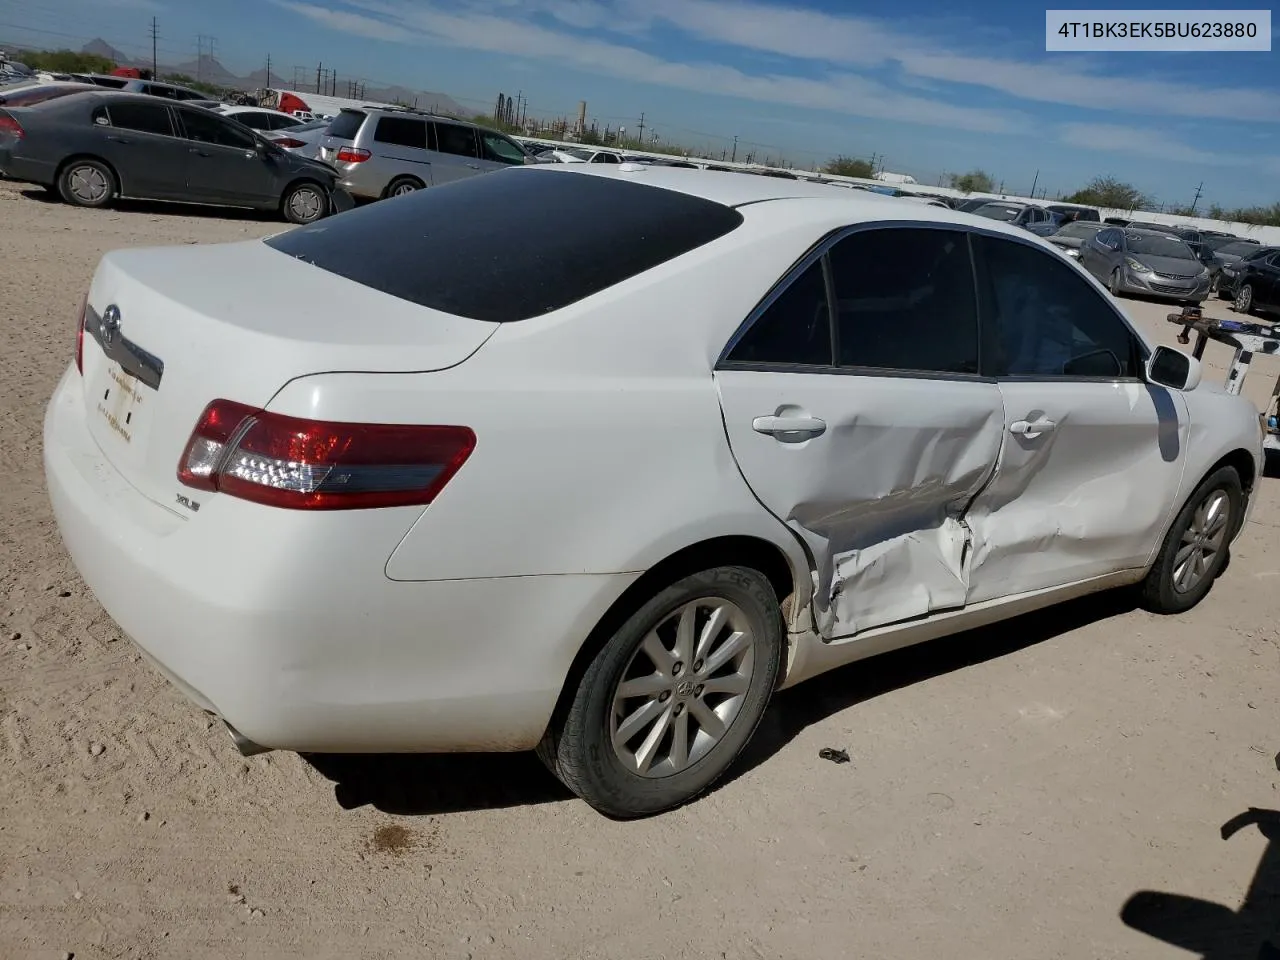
<point x="168" y="330"/>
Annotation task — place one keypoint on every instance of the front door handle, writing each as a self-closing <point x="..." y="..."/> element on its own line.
<point x="775" y="426"/>
<point x="474" y="166"/>
<point x="197" y="150"/>
<point x="119" y="139"/>
<point x="1031" y="428"/>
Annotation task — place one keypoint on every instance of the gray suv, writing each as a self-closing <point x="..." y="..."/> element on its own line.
<point x="386" y="152"/>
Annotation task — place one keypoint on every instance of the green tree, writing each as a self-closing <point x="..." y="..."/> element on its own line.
<point x="185" y="81"/>
<point x="843" y="166"/>
<point x="975" y="181"/>
<point x="1261" y="216"/>
<point x="1110" y="192"/>
<point x="65" y="61"/>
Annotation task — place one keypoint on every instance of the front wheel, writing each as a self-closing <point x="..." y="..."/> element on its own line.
<point x="675" y="694"/>
<point x="1195" y="549"/>
<point x="1114" y="285"/>
<point x="87" y="183"/>
<point x="304" y="203"/>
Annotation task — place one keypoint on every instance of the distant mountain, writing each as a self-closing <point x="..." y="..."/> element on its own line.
<point x="210" y="70"/>
<point x="100" y="48"/>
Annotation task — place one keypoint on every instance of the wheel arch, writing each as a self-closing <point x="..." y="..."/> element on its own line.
<point x="67" y="161"/>
<point x="422" y="184"/>
<point x="735" y="550"/>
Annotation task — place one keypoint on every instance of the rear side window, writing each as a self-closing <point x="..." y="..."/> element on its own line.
<point x="459" y="141"/>
<point x="254" y="121"/>
<point x="280" y="122"/>
<point x="510" y="245"/>
<point x="346" y="125"/>
<point x="401" y="132"/>
<point x="795" y="329"/>
<point x="143" y="117"/>
<point x="905" y="300"/>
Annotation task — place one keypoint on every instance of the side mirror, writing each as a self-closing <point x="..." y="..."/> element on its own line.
<point x="1173" y="369"/>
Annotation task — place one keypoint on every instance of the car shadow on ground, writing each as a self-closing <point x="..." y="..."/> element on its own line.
<point x="447" y="783"/>
<point x="814" y="700"/>
<point x="167" y="209"/>
<point x="1211" y="930"/>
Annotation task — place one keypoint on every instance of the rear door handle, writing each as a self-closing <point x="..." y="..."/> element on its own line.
<point x="198" y="151"/>
<point x="1031" y="428"/>
<point x="474" y="166"/>
<point x="774" y="426"/>
<point x="119" y="139"/>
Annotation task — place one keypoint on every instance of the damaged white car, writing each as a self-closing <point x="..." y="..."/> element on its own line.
<point x="594" y="460"/>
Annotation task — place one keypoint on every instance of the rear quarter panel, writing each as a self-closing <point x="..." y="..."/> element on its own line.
<point x="600" y="441"/>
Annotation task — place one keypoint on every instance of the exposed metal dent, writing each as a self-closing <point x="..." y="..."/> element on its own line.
<point x="813" y="656"/>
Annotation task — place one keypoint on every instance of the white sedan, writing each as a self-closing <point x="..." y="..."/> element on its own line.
<point x="602" y="493"/>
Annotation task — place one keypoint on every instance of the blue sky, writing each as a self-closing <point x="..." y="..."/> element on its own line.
<point x="932" y="90"/>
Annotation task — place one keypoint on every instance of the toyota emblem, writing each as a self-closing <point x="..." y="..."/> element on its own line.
<point x="110" y="324"/>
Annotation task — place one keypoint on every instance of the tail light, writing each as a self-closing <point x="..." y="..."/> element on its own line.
<point x="10" y="125"/>
<point x="353" y="155"/>
<point x="80" y="336"/>
<point x="291" y="143"/>
<point x="319" y="465"/>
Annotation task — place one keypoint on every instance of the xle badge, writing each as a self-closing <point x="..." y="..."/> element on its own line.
<point x="188" y="503"/>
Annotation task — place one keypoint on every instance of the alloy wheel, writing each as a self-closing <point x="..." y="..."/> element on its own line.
<point x="1202" y="541"/>
<point x="683" y="688"/>
<point x="1244" y="299"/>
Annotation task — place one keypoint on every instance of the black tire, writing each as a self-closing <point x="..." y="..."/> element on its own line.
<point x="304" y="203"/>
<point x="578" y="746"/>
<point x="1114" y="284"/>
<point x="1159" y="591"/>
<point x="1244" y="299"/>
<point x="402" y="185"/>
<point x="87" y="183"/>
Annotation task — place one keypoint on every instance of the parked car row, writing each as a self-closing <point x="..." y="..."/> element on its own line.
<point x="93" y="146"/>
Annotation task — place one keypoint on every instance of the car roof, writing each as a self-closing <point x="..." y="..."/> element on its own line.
<point x="409" y="112"/>
<point x="734" y="189"/>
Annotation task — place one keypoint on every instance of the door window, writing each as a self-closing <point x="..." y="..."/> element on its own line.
<point x="206" y="128"/>
<point x="500" y="149"/>
<point x="459" y="141"/>
<point x="1048" y="320"/>
<point x="795" y="329"/>
<point x="278" y="121"/>
<point x="905" y="300"/>
<point x="143" y="117"/>
<point x="402" y="132"/>
<point x="254" y="121"/>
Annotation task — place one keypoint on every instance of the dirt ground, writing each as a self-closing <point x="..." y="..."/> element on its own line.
<point x="1009" y="789"/>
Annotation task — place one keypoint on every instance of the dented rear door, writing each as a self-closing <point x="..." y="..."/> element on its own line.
<point x="856" y="414"/>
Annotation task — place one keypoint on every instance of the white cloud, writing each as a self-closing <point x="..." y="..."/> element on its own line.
<point x="840" y="92"/>
<point x="1117" y="138"/>
<point x="856" y="41"/>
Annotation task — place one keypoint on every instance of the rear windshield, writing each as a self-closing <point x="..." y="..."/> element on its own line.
<point x="509" y="245"/>
<point x="1237" y="248"/>
<point x="346" y="125"/>
<point x="1077" y="229"/>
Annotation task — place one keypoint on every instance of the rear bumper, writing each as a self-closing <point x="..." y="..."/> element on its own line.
<point x="321" y="652"/>
<point x="25" y="170"/>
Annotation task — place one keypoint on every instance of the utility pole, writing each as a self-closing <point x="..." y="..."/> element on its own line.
<point x="1197" y="198"/>
<point x="297" y="72"/>
<point x="1033" y="185"/>
<point x="155" y="65"/>
<point x="268" y="83"/>
<point x="319" y="68"/>
<point x="734" y="158"/>
<point x="642" y="128"/>
<point x="200" y="39"/>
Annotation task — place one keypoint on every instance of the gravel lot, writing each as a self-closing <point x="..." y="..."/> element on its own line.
<point x="1009" y="789"/>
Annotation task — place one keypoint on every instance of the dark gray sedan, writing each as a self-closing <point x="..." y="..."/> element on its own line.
<point x="1145" y="262"/>
<point x="1071" y="236"/>
<point x="92" y="147"/>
